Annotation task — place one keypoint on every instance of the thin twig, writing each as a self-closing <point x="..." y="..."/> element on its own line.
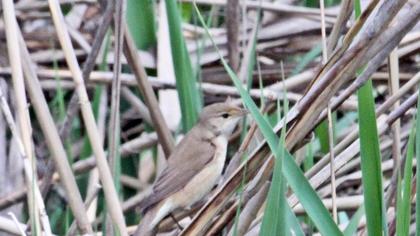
<point x="53" y="142"/>
<point x="88" y="66"/>
<point x="396" y="126"/>
<point x="9" y="226"/>
<point x="23" y="136"/>
<point x="343" y="16"/>
<point x="130" y="51"/>
<point x="267" y="6"/>
<point x="329" y="117"/>
<point x="114" y="130"/>
<point x="111" y="196"/>
<point x="133" y="59"/>
<point x="27" y="166"/>
<point x="18" y="225"/>
<point x="89" y="199"/>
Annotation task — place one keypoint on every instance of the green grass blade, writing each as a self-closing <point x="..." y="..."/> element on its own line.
<point x="274" y="220"/>
<point x="370" y="157"/>
<point x="189" y="96"/>
<point x="306" y="59"/>
<point x="58" y="102"/>
<point x="186" y="11"/>
<point x="279" y="218"/>
<point x="404" y="205"/>
<point x="295" y="177"/>
<point x="417" y="168"/>
<point x="292" y="222"/>
<point x="321" y="132"/>
<point x="354" y="222"/>
<point x="371" y="162"/>
<point x="400" y="214"/>
<point x="308" y="197"/>
<point x="141" y="23"/>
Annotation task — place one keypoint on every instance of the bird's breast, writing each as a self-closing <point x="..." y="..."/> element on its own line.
<point x="219" y="158"/>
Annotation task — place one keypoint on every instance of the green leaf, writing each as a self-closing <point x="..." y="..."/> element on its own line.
<point x="279" y="219"/>
<point x="308" y="197"/>
<point x="404" y="197"/>
<point x="141" y="23"/>
<point x="309" y="157"/>
<point x="186" y="11"/>
<point x="188" y="93"/>
<point x="58" y="102"/>
<point x="274" y="220"/>
<point x="296" y="179"/>
<point x="370" y="157"/>
<point x="306" y="59"/>
<point x="292" y="222"/>
<point x="354" y="222"/>
<point x="321" y="132"/>
<point x="371" y="162"/>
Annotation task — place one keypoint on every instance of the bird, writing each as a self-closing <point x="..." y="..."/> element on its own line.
<point x="194" y="167"/>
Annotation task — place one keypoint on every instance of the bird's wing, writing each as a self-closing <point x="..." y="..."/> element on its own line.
<point x="183" y="165"/>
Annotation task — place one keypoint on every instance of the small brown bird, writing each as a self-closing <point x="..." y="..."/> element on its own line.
<point x="194" y="167"/>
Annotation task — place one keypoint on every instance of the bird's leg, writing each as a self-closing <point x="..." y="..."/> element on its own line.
<point x="176" y="221"/>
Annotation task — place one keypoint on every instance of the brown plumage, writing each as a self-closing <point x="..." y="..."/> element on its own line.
<point x="194" y="166"/>
<point x="178" y="169"/>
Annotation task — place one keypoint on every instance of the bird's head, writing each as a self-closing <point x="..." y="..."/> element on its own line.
<point x="221" y="118"/>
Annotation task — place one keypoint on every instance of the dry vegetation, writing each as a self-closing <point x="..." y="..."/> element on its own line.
<point x="95" y="93"/>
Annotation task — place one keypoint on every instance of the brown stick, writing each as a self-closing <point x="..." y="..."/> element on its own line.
<point x="233" y="26"/>
<point x="133" y="59"/>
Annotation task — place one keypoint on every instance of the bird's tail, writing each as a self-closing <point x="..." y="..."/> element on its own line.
<point x="145" y="227"/>
<point x="152" y="218"/>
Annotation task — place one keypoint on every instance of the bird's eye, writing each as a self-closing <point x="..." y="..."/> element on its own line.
<point x="225" y="115"/>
